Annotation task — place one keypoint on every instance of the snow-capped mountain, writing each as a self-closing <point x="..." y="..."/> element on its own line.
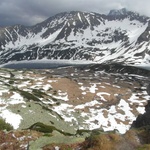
<point x="121" y="36"/>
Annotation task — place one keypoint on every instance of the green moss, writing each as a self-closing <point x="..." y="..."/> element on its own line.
<point x="57" y="103"/>
<point x="18" y="111"/>
<point x="48" y="135"/>
<point x="11" y="81"/>
<point x="28" y="95"/>
<point x="5" y="126"/>
<point x="54" y="99"/>
<point x="81" y="132"/>
<point x="47" y="129"/>
<point x="49" y="89"/>
<point x="90" y="132"/>
<point x="54" y="92"/>
<point x="42" y="127"/>
<point x="51" y="111"/>
<point x="38" y="93"/>
<point x="51" y="122"/>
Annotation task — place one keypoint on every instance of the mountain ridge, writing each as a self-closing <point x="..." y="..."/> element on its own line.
<point x="80" y="35"/>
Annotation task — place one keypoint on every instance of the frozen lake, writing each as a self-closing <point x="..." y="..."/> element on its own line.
<point x="44" y="64"/>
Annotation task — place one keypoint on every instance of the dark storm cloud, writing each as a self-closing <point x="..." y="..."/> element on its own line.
<point x="29" y="12"/>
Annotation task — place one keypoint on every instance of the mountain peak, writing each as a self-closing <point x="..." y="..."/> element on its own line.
<point x="80" y="36"/>
<point x="119" y="12"/>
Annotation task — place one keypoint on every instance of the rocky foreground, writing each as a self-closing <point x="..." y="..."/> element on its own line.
<point x="74" y="108"/>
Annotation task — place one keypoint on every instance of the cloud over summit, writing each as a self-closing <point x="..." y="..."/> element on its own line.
<point x="29" y="12"/>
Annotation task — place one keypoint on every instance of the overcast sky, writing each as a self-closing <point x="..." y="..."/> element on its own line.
<point x="30" y="12"/>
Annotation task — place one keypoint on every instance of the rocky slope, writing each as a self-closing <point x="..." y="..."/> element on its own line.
<point x="80" y="99"/>
<point x="121" y="36"/>
<point x="61" y="107"/>
<point x="33" y="140"/>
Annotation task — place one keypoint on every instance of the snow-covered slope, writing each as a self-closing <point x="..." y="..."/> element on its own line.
<point x="121" y="36"/>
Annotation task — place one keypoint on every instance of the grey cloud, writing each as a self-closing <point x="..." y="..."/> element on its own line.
<point x="30" y="12"/>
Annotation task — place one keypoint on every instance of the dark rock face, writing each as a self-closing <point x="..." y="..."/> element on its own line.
<point x="143" y="120"/>
<point x="145" y="35"/>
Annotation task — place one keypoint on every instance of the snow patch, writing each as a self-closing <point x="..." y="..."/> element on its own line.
<point x="11" y="118"/>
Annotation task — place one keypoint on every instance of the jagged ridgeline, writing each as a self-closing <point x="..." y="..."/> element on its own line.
<point x="121" y="36"/>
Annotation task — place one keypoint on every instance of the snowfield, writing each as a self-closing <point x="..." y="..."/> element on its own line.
<point x="81" y="99"/>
